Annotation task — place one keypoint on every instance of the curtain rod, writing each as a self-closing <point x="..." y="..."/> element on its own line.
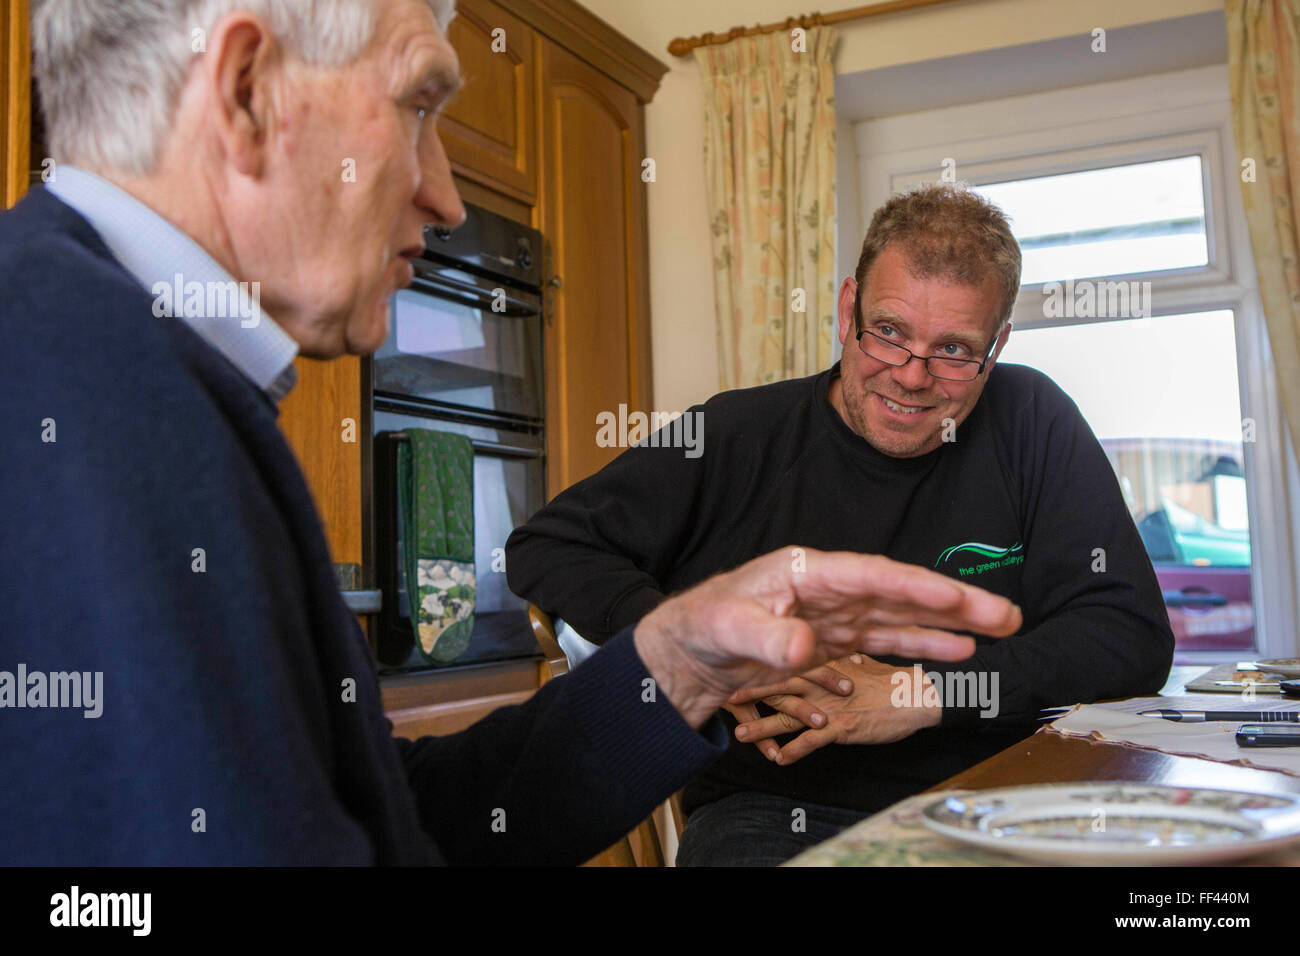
<point x="684" y="45"/>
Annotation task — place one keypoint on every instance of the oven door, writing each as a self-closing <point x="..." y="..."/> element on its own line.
<point x="460" y="341"/>
<point x="508" y="489"/>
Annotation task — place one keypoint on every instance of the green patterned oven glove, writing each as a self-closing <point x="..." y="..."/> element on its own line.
<point x="435" y="487"/>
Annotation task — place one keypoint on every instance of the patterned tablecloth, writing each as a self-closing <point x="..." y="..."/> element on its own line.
<point x="897" y="837"/>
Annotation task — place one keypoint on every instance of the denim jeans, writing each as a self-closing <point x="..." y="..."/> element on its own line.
<point x="757" y="829"/>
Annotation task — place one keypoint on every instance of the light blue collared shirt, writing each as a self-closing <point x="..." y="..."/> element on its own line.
<point x="159" y="255"/>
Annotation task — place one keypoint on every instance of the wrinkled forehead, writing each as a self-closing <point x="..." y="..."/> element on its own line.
<point x="972" y="317"/>
<point x="412" y="49"/>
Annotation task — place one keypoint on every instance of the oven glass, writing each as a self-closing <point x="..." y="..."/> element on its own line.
<point x="461" y="355"/>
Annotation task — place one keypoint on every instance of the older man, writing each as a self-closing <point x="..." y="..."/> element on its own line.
<point x="913" y="447"/>
<point x="181" y="681"/>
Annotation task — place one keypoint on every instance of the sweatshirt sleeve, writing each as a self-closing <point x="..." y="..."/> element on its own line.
<point x="597" y="555"/>
<point x="1095" y="625"/>
<point x="563" y="776"/>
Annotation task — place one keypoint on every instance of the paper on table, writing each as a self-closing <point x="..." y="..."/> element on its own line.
<point x="1200" y="702"/>
<point x="1212" y="740"/>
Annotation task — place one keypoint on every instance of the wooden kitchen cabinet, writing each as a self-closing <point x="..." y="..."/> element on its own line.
<point x="592" y="214"/>
<point x="490" y="129"/>
<point x="321" y="418"/>
<point x="563" y="103"/>
<point x="15" y="101"/>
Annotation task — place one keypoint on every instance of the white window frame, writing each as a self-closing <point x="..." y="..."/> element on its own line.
<point x="1130" y="121"/>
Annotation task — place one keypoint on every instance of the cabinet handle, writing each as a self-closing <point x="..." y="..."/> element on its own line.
<point x="555" y="282"/>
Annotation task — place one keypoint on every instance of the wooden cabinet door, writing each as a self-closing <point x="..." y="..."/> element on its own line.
<point x="489" y="130"/>
<point x="593" y="217"/>
<point x="15" y="100"/>
<point x="322" y="421"/>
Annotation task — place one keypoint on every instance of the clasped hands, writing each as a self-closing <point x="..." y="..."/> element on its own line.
<point x="855" y="700"/>
<point x="794" y="609"/>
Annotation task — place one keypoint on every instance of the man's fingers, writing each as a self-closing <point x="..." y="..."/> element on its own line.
<point x="803" y="745"/>
<point x="794" y="685"/>
<point x="912" y="594"/>
<point x="917" y="642"/>
<point x="894" y="613"/>
<point x="863" y="575"/>
<point x="742" y="712"/>
<point x="750" y="633"/>
<point x="767" y="727"/>
<point x="797" y="707"/>
<point x="829" y="679"/>
<point x="747" y="714"/>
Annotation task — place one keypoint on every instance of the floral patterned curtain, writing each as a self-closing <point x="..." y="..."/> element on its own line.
<point x="1264" y="67"/>
<point x="769" y="157"/>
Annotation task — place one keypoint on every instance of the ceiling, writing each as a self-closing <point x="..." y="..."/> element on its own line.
<point x="1160" y="47"/>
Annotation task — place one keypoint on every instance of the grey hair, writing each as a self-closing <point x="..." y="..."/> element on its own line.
<point x="110" y="72"/>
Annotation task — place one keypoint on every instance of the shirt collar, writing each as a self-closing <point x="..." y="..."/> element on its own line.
<point x="184" y="279"/>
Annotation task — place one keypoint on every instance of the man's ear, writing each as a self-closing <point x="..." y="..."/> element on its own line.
<point x="844" y="307"/>
<point x="997" y="349"/>
<point x="240" y="62"/>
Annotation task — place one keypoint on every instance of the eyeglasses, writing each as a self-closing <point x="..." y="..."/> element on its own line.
<point x="949" y="369"/>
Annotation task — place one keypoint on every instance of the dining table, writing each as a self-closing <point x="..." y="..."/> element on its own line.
<point x="1046" y="757"/>
<point x="897" y="836"/>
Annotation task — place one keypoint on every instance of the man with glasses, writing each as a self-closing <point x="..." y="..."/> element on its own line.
<point x="913" y="446"/>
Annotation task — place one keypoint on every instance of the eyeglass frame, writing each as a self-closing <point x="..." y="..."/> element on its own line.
<point x="926" y="359"/>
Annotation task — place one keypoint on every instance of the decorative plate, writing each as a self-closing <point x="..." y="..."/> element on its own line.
<point x="1286" y="666"/>
<point x="1109" y="823"/>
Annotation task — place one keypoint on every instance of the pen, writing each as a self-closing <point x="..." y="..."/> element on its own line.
<point x="1247" y="716"/>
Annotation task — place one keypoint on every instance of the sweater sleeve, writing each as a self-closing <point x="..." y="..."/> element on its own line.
<point x="563" y="776"/>
<point x="597" y="554"/>
<point x="1095" y="621"/>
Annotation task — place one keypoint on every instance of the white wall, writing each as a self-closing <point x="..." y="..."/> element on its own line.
<point x="681" y="277"/>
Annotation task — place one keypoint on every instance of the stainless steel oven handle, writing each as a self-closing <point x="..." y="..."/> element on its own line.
<point x="478" y="291"/>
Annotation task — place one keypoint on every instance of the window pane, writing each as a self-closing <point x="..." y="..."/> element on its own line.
<point x="1161" y="395"/>
<point x="1121" y="220"/>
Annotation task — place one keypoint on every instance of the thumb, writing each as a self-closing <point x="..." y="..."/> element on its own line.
<point x="782" y="643"/>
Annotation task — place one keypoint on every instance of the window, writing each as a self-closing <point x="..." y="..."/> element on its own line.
<point x="1173" y="430"/>
<point x="1118" y="220"/>
<point x="1137" y="297"/>
<point x="1173" y="435"/>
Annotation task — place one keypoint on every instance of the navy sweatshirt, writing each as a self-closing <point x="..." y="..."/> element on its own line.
<point x="239" y="712"/>
<point x="1023" y="503"/>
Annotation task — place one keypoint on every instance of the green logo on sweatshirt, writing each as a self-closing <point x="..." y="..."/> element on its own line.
<point x="994" y="556"/>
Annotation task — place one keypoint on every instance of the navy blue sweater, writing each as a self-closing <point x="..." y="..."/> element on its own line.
<point x="229" y="730"/>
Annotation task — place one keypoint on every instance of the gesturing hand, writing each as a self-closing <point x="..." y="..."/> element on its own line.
<point x="766" y="620"/>
<point x="869" y="714"/>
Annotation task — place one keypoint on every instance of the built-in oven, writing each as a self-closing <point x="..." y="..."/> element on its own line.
<point x="463" y="355"/>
